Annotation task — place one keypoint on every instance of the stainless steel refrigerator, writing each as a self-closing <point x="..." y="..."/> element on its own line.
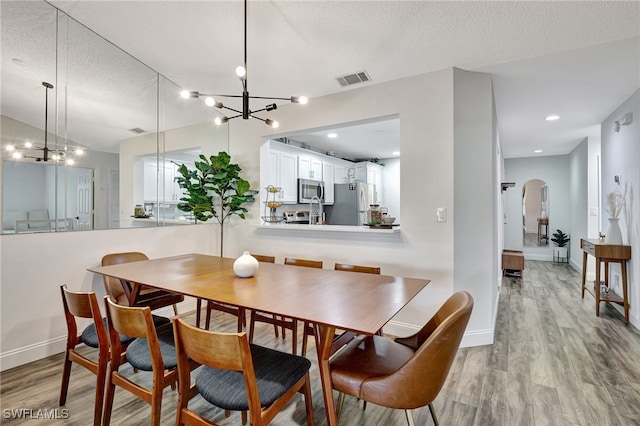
<point x="350" y="203"/>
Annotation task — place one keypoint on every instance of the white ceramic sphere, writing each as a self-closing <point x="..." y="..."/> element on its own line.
<point x="246" y="265"/>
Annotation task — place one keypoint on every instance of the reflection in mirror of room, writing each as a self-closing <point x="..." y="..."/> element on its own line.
<point x="535" y="213"/>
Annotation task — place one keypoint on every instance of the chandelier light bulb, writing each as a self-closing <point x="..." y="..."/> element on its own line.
<point x="10" y="148"/>
<point x="184" y="94"/>
<point x="241" y="71"/>
<point x="303" y="100"/>
<point x="220" y="120"/>
<point x="210" y="101"/>
<point x="79" y="151"/>
<point x="55" y="157"/>
<point x="70" y="161"/>
<point x="28" y="145"/>
<point x="272" y="123"/>
<point x="16" y="155"/>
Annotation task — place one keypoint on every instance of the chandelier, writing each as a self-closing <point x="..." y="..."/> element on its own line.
<point x="43" y="153"/>
<point x="246" y="113"/>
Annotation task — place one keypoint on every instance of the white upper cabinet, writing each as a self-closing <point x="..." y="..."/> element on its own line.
<point x="309" y="167"/>
<point x="370" y="173"/>
<point x="283" y="173"/>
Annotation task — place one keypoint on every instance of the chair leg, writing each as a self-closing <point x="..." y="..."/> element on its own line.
<point x="156" y="406"/>
<point x="66" y="373"/>
<point x="433" y="414"/>
<point x="409" y="417"/>
<point x="175" y="309"/>
<point x="340" y="403"/>
<point x="252" y="324"/>
<point x="108" y="400"/>
<point x="207" y="321"/>
<point x="275" y="327"/>
<point x="100" y="386"/>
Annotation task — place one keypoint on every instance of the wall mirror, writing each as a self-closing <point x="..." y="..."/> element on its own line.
<point x="366" y="151"/>
<point x="106" y="117"/>
<point x="535" y="213"/>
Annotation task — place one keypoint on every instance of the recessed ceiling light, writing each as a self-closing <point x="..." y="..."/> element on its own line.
<point x="538" y="151"/>
<point x="332" y="135"/>
<point x="395" y="153"/>
<point x="552" y="117"/>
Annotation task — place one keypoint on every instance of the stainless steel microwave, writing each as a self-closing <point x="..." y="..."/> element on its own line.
<point x="307" y="189"/>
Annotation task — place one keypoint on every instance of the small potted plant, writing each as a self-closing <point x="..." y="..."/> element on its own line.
<point x="560" y="239"/>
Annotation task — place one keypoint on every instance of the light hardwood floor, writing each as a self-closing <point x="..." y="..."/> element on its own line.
<point x="553" y="363"/>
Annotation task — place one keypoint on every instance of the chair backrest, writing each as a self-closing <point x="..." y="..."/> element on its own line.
<point x="224" y="351"/>
<point x="419" y="380"/>
<point x="132" y="322"/>
<point x="265" y="259"/>
<point x="303" y="262"/>
<point x="357" y="268"/>
<point x="82" y="305"/>
<point x="113" y="286"/>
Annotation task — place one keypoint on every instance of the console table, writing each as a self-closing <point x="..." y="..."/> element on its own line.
<point x="607" y="253"/>
<point x="543" y="234"/>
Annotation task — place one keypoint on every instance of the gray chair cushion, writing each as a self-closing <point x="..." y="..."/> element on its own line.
<point x="138" y="351"/>
<point x="276" y="372"/>
<point x="90" y="338"/>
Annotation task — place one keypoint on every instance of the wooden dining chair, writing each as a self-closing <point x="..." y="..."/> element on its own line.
<point x="85" y="305"/>
<point x="342" y="338"/>
<point x="233" y="310"/>
<point x="152" y="350"/>
<point x="127" y="294"/>
<point x="282" y="322"/>
<point x="405" y="373"/>
<point x="237" y="376"/>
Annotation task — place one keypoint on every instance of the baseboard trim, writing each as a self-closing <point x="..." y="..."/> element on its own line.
<point x="470" y="338"/>
<point x="30" y="353"/>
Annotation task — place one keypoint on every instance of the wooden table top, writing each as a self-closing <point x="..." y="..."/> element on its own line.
<point x="348" y="300"/>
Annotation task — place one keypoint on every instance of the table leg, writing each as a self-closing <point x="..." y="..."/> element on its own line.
<point x="324" y="338"/>
<point x="606" y="274"/>
<point x="198" y="307"/>
<point x="584" y="270"/>
<point x="625" y="296"/>
<point x="597" y="289"/>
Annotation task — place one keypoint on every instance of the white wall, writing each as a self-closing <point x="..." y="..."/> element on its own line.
<point x="579" y="195"/>
<point x="35" y="265"/>
<point x="554" y="170"/>
<point x="475" y="189"/>
<point x="621" y="156"/>
<point x="424" y="248"/>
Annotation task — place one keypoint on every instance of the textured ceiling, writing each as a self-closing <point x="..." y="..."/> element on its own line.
<point x="577" y="59"/>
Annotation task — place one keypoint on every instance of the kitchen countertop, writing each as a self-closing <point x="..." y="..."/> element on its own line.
<point x="329" y="228"/>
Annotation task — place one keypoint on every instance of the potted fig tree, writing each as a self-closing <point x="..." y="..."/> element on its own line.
<point x="560" y="239"/>
<point x="214" y="190"/>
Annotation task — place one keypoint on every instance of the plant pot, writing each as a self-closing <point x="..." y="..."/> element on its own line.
<point x="560" y="252"/>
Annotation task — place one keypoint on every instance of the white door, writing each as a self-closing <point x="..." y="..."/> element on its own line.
<point x="114" y="199"/>
<point x="84" y="214"/>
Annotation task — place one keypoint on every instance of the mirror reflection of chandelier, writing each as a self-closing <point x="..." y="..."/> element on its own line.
<point x="43" y="153"/>
<point x="246" y="113"/>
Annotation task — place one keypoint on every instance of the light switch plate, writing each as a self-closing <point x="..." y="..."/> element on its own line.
<point x="441" y="214"/>
<point x="593" y="211"/>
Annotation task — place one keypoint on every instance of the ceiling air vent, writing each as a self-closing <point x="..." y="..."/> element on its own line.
<point x="348" y="80"/>
<point x="136" y="130"/>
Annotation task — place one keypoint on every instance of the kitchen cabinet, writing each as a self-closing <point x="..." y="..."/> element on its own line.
<point x="340" y="173"/>
<point x="309" y="167"/>
<point x="283" y="172"/>
<point x="328" y="170"/>
<point x="169" y="190"/>
<point x="370" y="173"/>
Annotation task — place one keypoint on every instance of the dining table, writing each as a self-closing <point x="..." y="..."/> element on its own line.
<point x="330" y="300"/>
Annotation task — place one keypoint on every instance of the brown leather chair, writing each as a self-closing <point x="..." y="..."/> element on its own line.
<point x="343" y="338"/>
<point x="405" y="373"/>
<point x="237" y="376"/>
<point x="234" y="310"/>
<point x="283" y="323"/>
<point x="127" y="294"/>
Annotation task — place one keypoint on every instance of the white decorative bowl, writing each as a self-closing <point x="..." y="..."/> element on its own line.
<point x="388" y="220"/>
